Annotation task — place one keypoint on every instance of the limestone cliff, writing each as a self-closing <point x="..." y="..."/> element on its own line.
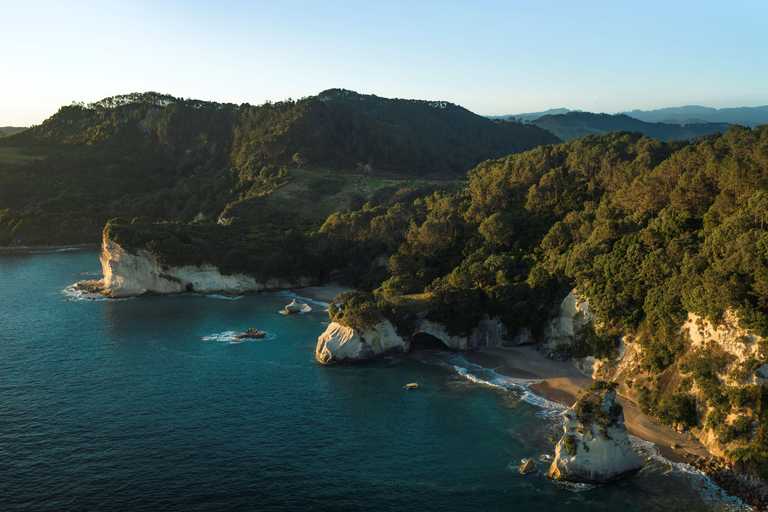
<point x="127" y="274"/>
<point x="559" y="331"/>
<point x="736" y="359"/>
<point x="490" y="332"/>
<point x="595" y="447"/>
<point x="341" y="344"/>
<point x="344" y="344"/>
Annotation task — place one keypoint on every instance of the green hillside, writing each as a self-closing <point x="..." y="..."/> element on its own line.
<point x="159" y="158"/>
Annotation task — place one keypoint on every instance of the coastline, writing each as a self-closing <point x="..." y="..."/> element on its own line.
<point x="46" y="248"/>
<point x="324" y="293"/>
<point x="561" y="381"/>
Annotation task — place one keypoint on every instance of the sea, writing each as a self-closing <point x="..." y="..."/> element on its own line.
<point x="151" y="403"/>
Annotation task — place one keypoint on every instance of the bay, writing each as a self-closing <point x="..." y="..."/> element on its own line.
<point x="151" y="404"/>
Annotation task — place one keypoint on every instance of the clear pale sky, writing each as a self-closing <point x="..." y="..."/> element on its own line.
<point x="492" y="57"/>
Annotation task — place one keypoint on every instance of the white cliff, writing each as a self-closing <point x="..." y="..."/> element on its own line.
<point x="560" y="330"/>
<point x="595" y="447"/>
<point x="344" y="344"/>
<point x="127" y="275"/>
<point x="340" y="344"/>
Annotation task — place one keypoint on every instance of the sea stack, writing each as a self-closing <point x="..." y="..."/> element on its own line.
<point x="595" y="447"/>
<point x="294" y="307"/>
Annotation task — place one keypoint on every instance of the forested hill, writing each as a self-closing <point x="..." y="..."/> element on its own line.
<point x="574" y="125"/>
<point x="163" y="158"/>
<point x="10" y="130"/>
<point x="440" y="130"/>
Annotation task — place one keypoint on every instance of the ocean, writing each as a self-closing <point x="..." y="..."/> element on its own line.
<point x="151" y="404"/>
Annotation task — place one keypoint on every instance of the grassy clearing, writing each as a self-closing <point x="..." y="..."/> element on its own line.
<point x="16" y="156"/>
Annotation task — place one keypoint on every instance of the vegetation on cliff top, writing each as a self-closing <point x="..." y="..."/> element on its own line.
<point x="161" y="158"/>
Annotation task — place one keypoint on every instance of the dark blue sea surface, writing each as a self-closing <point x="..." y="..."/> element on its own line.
<point x="151" y="404"/>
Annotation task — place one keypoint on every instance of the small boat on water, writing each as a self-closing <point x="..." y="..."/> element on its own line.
<point x="412" y="385"/>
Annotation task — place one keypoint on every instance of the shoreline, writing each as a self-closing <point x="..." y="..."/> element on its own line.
<point x="323" y="293"/>
<point x="46" y="248"/>
<point x="561" y="381"/>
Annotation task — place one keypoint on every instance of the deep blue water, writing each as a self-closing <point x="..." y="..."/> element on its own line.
<point x="149" y="404"/>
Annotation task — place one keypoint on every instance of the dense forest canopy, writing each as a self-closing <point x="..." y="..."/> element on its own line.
<point x="160" y="158"/>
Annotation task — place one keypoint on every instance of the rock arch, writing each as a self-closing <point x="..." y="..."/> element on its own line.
<point x="425" y="341"/>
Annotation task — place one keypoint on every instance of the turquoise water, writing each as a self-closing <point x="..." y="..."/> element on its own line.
<point x="150" y="404"/>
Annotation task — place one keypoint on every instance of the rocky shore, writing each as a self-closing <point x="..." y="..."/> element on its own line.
<point x="749" y="489"/>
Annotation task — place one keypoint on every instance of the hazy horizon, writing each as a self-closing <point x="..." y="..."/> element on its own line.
<point x="493" y="58"/>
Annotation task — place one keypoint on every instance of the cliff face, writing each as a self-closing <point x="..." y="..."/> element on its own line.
<point x="595" y="447"/>
<point x="344" y="344"/>
<point x="738" y="350"/>
<point x="127" y="275"/>
<point x="341" y="344"/>
<point x="559" y="332"/>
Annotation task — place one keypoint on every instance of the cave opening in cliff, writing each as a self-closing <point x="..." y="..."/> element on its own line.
<point x="425" y="341"/>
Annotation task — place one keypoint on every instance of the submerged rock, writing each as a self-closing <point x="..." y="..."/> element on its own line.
<point x="595" y="447"/>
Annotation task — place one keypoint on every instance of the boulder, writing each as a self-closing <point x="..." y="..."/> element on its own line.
<point x="527" y="466"/>
<point x="251" y="333"/>
<point x="595" y="447"/>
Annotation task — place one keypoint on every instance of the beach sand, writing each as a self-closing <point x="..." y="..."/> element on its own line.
<point x="561" y="381"/>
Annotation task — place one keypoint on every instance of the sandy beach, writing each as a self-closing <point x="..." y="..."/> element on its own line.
<point x="561" y="381"/>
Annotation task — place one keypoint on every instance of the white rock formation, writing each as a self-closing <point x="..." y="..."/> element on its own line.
<point x="127" y="275"/>
<point x="490" y="332"/>
<point x="734" y="340"/>
<point x="296" y="307"/>
<point x="339" y="343"/>
<point x="600" y="447"/>
<point x="573" y="315"/>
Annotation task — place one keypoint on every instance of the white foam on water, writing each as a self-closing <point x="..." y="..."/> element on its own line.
<point x="548" y="408"/>
<point x="230" y="337"/>
<point x="305" y="308"/>
<point x="220" y="297"/>
<point x="305" y="300"/>
<point x="646" y="450"/>
<point x="74" y="294"/>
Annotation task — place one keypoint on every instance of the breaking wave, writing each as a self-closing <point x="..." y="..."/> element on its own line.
<point x="230" y="337"/>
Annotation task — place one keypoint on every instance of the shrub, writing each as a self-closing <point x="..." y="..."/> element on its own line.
<point x="570" y="445"/>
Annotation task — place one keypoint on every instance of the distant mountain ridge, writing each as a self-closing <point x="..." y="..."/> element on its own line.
<point x="575" y="125"/>
<point x="745" y="116"/>
<point x="530" y="116"/>
<point x="10" y="130"/>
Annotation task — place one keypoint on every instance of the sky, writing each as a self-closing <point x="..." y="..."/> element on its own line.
<point x="491" y="57"/>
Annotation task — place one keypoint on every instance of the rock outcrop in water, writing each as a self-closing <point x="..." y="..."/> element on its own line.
<point x="595" y="447"/>
<point x="295" y="307"/>
<point x="341" y="344"/>
<point x="127" y="275"/>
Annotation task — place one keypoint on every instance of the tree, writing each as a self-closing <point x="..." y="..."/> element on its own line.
<point x="497" y="230"/>
<point x="300" y="158"/>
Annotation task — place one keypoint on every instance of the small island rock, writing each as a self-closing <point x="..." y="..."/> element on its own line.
<point x="527" y="466"/>
<point x="251" y="333"/>
<point x="294" y="307"/>
<point x="595" y="447"/>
